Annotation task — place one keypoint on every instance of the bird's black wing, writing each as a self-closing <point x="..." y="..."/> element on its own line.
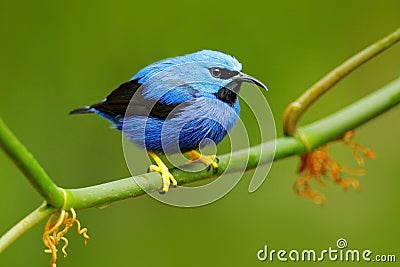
<point x="116" y="104"/>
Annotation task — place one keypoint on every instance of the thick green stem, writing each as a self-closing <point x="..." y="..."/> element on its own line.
<point x="30" y="167"/>
<point x="103" y="194"/>
<point x="25" y="224"/>
<point x="296" y="109"/>
<point x="315" y="135"/>
<point x="333" y="127"/>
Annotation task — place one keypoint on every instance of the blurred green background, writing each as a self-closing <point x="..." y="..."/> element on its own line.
<point x="59" y="55"/>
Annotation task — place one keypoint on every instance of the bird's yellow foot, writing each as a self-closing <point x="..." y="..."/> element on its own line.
<point x="211" y="161"/>
<point x="161" y="168"/>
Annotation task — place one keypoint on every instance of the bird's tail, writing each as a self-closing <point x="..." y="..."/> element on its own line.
<point x="83" y="110"/>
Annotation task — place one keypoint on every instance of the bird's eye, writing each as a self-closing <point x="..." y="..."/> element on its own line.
<point x="215" y="72"/>
<point x="222" y="73"/>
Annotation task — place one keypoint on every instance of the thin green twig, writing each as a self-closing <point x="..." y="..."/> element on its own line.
<point x="36" y="216"/>
<point x="297" y="108"/>
<point x="29" y="166"/>
<point x="310" y="137"/>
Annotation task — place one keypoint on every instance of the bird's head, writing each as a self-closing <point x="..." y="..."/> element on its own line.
<point x="205" y="72"/>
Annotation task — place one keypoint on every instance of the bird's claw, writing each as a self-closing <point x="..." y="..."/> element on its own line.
<point x="211" y="161"/>
<point x="167" y="178"/>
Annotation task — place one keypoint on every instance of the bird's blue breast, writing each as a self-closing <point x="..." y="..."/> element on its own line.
<point x="201" y="119"/>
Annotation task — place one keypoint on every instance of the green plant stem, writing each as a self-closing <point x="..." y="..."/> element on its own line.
<point x="297" y="108"/>
<point x="334" y="126"/>
<point x="315" y="135"/>
<point x="30" y="167"/>
<point x="104" y="194"/>
<point x="25" y="224"/>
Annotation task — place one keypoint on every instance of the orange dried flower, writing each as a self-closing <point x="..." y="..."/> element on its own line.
<point x="52" y="234"/>
<point x="316" y="165"/>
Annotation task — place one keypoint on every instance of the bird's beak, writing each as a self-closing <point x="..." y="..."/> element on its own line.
<point x="243" y="77"/>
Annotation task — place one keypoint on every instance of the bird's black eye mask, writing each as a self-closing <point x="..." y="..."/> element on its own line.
<point x="227" y="93"/>
<point x="222" y="73"/>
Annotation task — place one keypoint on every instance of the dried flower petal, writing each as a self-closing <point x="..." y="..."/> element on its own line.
<point x="316" y="165"/>
<point x="52" y="235"/>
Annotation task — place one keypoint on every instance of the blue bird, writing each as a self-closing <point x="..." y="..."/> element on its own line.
<point x="177" y="104"/>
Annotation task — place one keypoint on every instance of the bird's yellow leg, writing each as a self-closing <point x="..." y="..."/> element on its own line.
<point x="161" y="168"/>
<point x="208" y="160"/>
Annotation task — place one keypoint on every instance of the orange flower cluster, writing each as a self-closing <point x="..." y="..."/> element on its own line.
<point x="52" y="234"/>
<point x="316" y="165"/>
